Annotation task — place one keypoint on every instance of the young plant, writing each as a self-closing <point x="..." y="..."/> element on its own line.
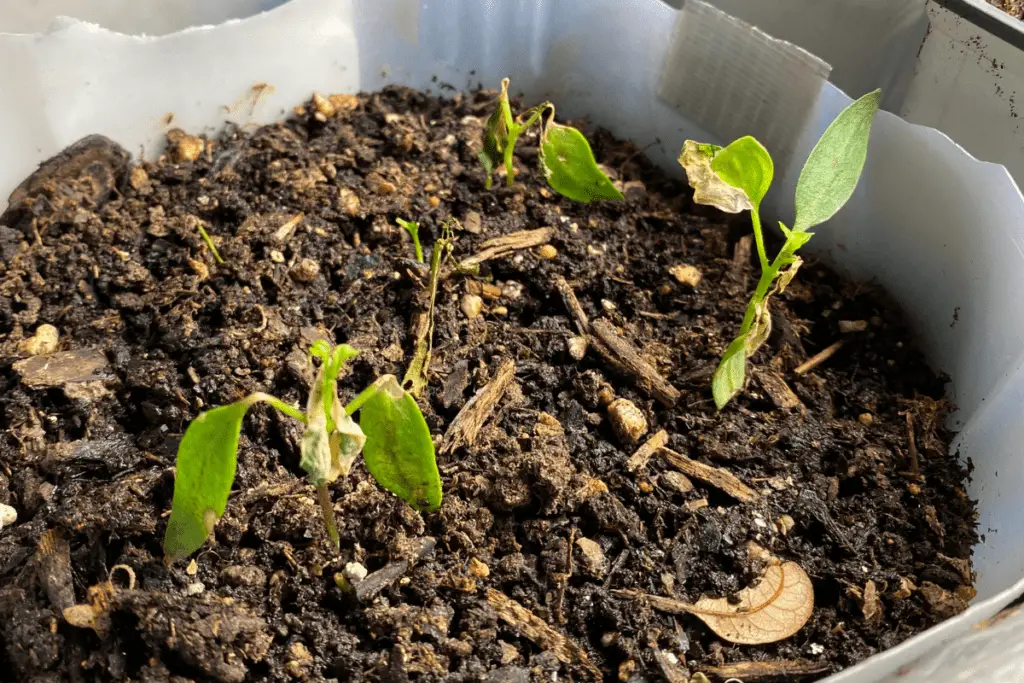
<point x="414" y="229"/>
<point x="391" y="434"/>
<point x="565" y="155"/>
<point x="736" y="178"/>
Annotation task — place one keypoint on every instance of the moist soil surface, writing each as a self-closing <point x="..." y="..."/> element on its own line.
<point x="540" y="508"/>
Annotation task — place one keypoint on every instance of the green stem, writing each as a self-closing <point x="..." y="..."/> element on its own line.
<point x="755" y="218"/>
<point x="327" y="507"/>
<point x="419" y="249"/>
<point x="290" y="411"/>
<point x="364" y="396"/>
<point x="768" y="274"/>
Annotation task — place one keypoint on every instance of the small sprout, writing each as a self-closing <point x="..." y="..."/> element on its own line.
<point x="400" y="452"/>
<point x="209" y="243"/>
<point x="737" y="177"/>
<point x="565" y="155"/>
<point x="414" y="229"/>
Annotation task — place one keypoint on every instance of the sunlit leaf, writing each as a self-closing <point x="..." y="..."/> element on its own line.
<point x="206" y="464"/>
<point x="731" y="373"/>
<point x="746" y="164"/>
<point x="399" y="451"/>
<point x="708" y="188"/>
<point x="570" y="167"/>
<point x="834" y="166"/>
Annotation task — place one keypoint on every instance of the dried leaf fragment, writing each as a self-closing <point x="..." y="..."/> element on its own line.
<point x="708" y="188"/>
<point x="772" y="610"/>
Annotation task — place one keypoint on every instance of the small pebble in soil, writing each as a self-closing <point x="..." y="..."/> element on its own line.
<point x="785" y="524"/>
<point x="849" y="326"/>
<point x="547" y="251"/>
<point x="472" y="305"/>
<point x="686" y="274"/>
<point x="593" y="559"/>
<point x="244" y="576"/>
<point x="478" y="568"/>
<point x="355" y="572"/>
<point x="8" y="516"/>
<point x="628" y="421"/>
<point x="675" y="481"/>
<point x="305" y="270"/>
<point x="866" y="419"/>
<point x="195" y="588"/>
<point x="577" y="347"/>
<point x="42" y="342"/>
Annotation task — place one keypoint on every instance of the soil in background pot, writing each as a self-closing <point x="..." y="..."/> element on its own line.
<point x="557" y="520"/>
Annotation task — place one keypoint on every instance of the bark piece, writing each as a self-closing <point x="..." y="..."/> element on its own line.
<point x="507" y="244"/>
<point x="543" y="636"/>
<point x="374" y="583"/>
<point x="57" y="369"/>
<point x="466" y="425"/>
<point x="625" y="355"/>
<point x="721" y="479"/>
<point x="775" y="386"/>
<point x="639" y="459"/>
<point x="776" y="668"/>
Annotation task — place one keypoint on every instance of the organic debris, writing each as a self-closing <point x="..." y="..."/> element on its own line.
<point x="771" y="610"/>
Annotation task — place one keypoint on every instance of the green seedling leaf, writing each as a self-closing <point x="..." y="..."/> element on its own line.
<point x="832" y="170"/>
<point x="731" y="373"/>
<point x="399" y="451"/>
<point x="207" y="457"/>
<point x="708" y="188"/>
<point x="570" y="167"/>
<point x="414" y="229"/>
<point x="496" y="136"/>
<point x="746" y="164"/>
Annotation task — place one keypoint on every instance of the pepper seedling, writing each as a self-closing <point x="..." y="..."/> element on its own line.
<point x="391" y="434"/>
<point x="565" y="155"/>
<point x="737" y="177"/>
<point x="413" y="228"/>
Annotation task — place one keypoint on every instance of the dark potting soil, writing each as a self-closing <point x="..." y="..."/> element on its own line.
<point x="541" y="509"/>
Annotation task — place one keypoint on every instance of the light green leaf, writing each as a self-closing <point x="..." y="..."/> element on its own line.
<point x="570" y="167"/>
<point x="746" y="164"/>
<point x="413" y="228"/>
<point x="495" y="136"/>
<point x="207" y="458"/>
<point x="731" y="374"/>
<point x="399" y="451"/>
<point x="709" y="189"/>
<point x="832" y="170"/>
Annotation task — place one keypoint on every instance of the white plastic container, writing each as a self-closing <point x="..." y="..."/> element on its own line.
<point x="941" y="231"/>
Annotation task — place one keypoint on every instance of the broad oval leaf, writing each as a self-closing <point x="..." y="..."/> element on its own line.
<point x="709" y="189"/>
<point x="731" y="373"/>
<point x="746" y="164"/>
<point x="772" y="610"/>
<point x="570" y="167"/>
<point x="399" y="451"/>
<point x="834" y="166"/>
<point x="207" y="457"/>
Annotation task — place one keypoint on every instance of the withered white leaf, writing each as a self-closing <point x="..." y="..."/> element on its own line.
<point x="771" y="610"/>
<point x="708" y="188"/>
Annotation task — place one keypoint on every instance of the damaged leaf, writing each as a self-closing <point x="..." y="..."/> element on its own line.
<point x="708" y="188"/>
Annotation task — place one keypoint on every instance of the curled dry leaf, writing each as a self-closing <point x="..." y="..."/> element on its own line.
<point x="708" y="188"/>
<point x="771" y="610"/>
